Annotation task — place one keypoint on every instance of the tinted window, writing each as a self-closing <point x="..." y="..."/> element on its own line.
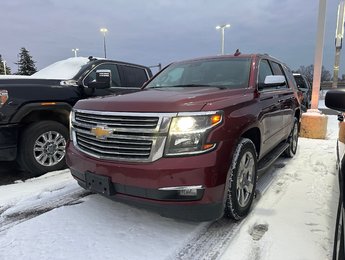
<point x="277" y="69"/>
<point x="264" y="70"/>
<point x="300" y="82"/>
<point x="230" y="73"/>
<point x="291" y="80"/>
<point x="115" y="78"/>
<point x="135" y="77"/>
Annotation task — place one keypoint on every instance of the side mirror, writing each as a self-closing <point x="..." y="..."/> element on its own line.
<point x="103" y="80"/>
<point x="275" y="81"/>
<point x="272" y="81"/>
<point x="335" y="99"/>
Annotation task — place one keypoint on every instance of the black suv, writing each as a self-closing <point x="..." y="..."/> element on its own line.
<point x="304" y="86"/>
<point x="34" y="111"/>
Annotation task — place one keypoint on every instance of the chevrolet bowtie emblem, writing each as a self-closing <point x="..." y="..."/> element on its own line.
<point x="101" y="132"/>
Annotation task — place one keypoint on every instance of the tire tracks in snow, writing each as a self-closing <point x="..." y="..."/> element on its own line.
<point x="210" y="242"/>
<point x="10" y="219"/>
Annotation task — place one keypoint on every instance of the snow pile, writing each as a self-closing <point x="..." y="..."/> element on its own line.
<point x="64" y="69"/>
<point x="14" y="193"/>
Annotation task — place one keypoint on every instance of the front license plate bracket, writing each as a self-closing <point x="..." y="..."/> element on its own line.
<point x="99" y="184"/>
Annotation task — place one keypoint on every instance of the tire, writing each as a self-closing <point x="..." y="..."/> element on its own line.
<point x="242" y="180"/>
<point x="292" y="140"/>
<point x="42" y="148"/>
<point x="338" y="245"/>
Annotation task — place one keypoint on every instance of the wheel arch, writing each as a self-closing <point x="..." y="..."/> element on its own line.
<point x="254" y="135"/>
<point x="33" y="112"/>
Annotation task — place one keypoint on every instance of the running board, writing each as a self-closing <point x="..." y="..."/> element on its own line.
<point x="270" y="158"/>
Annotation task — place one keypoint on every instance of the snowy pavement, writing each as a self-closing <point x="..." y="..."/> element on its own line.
<point x="293" y="217"/>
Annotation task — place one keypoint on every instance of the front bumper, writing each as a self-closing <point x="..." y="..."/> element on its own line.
<point x="141" y="184"/>
<point x="8" y="142"/>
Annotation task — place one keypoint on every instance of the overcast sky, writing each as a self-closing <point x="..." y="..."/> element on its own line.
<point x="161" y="31"/>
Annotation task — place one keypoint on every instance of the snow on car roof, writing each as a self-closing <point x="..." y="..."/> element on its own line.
<point x="64" y="69"/>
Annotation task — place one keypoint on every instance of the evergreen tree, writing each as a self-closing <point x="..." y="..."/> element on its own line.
<point x="26" y="63"/>
<point x="2" y="71"/>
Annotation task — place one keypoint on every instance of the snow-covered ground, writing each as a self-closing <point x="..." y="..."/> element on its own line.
<point x="293" y="217"/>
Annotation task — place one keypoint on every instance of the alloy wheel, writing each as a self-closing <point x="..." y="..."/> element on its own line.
<point x="49" y="148"/>
<point x="245" y="180"/>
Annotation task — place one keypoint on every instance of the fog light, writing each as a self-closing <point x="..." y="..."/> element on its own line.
<point x="188" y="192"/>
<point x="184" y="190"/>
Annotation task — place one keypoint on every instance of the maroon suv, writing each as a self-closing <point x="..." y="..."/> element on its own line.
<point x="192" y="143"/>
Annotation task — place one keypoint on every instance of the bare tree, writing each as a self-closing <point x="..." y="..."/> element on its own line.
<point x="309" y="73"/>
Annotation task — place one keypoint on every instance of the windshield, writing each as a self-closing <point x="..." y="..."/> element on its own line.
<point x="64" y="69"/>
<point x="228" y="73"/>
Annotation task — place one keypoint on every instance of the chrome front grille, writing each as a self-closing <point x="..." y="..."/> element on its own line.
<point x="120" y="136"/>
<point x="117" y="121"/>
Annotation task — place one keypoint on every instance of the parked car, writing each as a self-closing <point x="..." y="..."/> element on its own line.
<point x="335" y="99"/>
<point x="192" y="143"/>
<point x="304" y="86"/>
<point x="34" y="110"/>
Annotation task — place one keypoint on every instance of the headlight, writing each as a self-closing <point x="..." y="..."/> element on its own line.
<point x="3" y="97"/>
<point x="71" y="119"/>
<point x="188" y="133"/>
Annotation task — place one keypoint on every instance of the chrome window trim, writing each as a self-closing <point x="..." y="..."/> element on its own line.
<point x="95" y="68"/>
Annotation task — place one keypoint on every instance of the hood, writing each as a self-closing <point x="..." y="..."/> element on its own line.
<point x="159" y="100"/>
<point x="38" y="90"/>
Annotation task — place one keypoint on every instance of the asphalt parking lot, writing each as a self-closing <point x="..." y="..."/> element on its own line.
<point x="9" y="173"/>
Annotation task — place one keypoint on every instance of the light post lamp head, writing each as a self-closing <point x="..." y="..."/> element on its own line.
<point x="75" y="52"/>
<point x="222" y="29"/>
<point x="104" y="30"/>
<point x="222" y="26"/>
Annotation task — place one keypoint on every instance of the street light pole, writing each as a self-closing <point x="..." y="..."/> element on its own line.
<point x="222" y="28"/>
<point x="159" y="66"/>
<point x="4" y="64"/>
<point x="339" y="35"/>
<point x="318" y="54"/>
<point x="75" y="52"/>
<point x="104" y="31"/>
